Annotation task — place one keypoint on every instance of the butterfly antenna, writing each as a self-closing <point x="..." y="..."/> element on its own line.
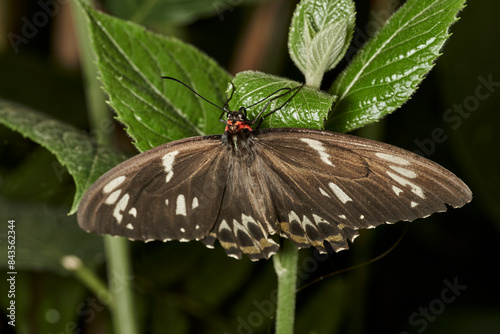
<point x="295" y="91"/>
<point x="191" y="89"/>
<point x="259" y="116"/>
<point x="362" y="264"/>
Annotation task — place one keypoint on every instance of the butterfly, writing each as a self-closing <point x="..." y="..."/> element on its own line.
<point x="316" y="188"/>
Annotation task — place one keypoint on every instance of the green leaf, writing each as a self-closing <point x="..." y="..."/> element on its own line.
<point x="39" y="177"/>
<point x="171" y="11"/>
<point x="319" y="36"/>
<point x="389" y="68"/>
<point x="131" y="61"/>
<point x="75" y="150"/>
<point x="45" y="234"/>
<point x="308" y="109"/>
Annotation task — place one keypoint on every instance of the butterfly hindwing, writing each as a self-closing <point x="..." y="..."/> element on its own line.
<point x="247" y="215"/>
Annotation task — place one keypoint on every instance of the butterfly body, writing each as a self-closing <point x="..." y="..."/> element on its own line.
<point x="238" y="136"/>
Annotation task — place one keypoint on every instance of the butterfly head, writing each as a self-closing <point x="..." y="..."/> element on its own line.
<point x="238" y="133"/>
<point x="237" y="121"/>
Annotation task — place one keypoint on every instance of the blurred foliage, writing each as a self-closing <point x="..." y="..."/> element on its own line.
<point x="188" y="289"/>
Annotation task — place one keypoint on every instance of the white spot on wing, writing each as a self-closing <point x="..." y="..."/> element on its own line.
<point x="183" y="230"/>
<point x="166" y="202"/>
<point x="320" y="148"/>
<point x="306" y="222"/>
<point x="238" y="226"/>
<point x="130" y="227"/>
<point x="320" y="220"/>
<point x="180" y="207"/>
<point x="120" y="206"/>
<point x="194" y="205"/>
<point x="168" y="162"/>
<point x="405" y="172"/>
<point x="342" y="196"/>
<point x="342" y="217"/>
<point x="324" y="193"/>
<point x="404" y="182"/>
<point x="397" y="190"/>
<point x="224" y="226"/>
<point x="361" y="217"/>
<point x="197" y="227"/>
<point x="392" y="158"/>
<point x="113" y="197"/>
<point x="133" y="212"/>
<point x="293" y="216"/>
<point x="113" y="184"/>
<point x="245" y="220"/>
<point x="413" y="204"/>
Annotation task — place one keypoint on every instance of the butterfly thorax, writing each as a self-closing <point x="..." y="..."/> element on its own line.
<point x="238" y="135"/>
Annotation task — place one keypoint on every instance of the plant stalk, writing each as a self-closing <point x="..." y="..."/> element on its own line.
<point x="117" y="254"/>
<point x="88" y="277"/>
<point x="285" y="265"/>
<point x="119" y="281"/>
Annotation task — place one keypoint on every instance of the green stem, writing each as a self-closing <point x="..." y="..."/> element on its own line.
<point x="117" y="255"/>
<point x="88" y="277"/>
<point x="313" y="79"/>
<point x="119" y="280"/>
<point x="96" y="99"/>
<point x="285" y="265"/>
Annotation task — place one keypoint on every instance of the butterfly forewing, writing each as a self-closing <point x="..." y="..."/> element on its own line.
<point x="163" y="194"/>
<point x="335" y="184"/>
<point x="310" y="186"/>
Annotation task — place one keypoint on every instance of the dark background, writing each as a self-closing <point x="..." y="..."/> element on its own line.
<point x="441" y="278"/>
